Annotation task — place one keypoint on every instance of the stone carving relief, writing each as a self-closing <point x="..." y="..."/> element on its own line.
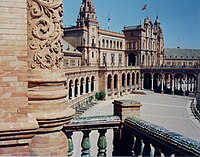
<point x="45" y="30"/>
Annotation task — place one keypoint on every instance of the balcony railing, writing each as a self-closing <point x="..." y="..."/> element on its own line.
<point x="170" y="67"/>
<point x="149" y="139"/>
<point x="134" y="137"/>
<point x="88" y="124"/>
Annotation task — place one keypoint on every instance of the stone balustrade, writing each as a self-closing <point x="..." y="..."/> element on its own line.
<point x="131" y="135"/>
<point x="194" y="108"/>
<point x="143" y="138"/>
<point x="86" y="125"/>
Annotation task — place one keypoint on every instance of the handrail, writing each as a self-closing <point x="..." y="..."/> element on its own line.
<point x="194" y="109"/>
<point x="161" y="137"/>
<point x="170" y="67"/>
<point x="93" y="123"/>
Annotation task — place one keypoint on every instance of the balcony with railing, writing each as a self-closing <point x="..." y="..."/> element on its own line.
<point x="131" y="135"/>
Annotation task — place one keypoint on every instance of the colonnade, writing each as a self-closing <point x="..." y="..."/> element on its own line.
<point x="117" y="84"/>
<point x="79" y="87"/>
<point x="174" y="83"/>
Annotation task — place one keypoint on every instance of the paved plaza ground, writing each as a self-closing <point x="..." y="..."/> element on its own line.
<point x="171" y="112"/>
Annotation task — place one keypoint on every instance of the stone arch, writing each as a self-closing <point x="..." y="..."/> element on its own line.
<point x="87" y="82"/>
<point x="82" y="86"/>
<point x="115" y="81"/>
<point x="157" y="82"/>
<point x="109" y="82"/>
<point x="137" y="78"/>
<point x="123" y="79"/>
<point x="103" y="43"/>
<point x="128" y="79"/>
<point x="92" y="83"/>
<point x="70" y="89"/>
<point x="133" y="78"/>
<point x="147" y="81"/>
<point x="76" y="84"/>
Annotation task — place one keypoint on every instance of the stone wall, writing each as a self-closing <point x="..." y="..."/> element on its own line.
<point x="13" y="61"/>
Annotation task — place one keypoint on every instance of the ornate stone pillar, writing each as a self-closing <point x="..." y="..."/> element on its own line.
<point x="46" y="90"/>
<point x="112" y="87"/>
<point x="152" y="82"/>
<point x="78" y="90"/>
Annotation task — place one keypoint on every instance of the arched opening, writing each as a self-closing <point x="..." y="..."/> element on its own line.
<point x="76" y="88"/>
<point x="81" y="87"/>
<point x="115" y="81"/>
<point x="133" y="79"/>
<point x="87" y="85"/>
<point x="123" y="80"/>
<point x="131" y="59"/>
<point x="178" y="84"/>
<point x="137" y="78"/>
<point x="128" y="79"/>
<point x="191" y="83"/>
<point x="70" y="89"/>
<point x="92" y="83"/>
<point x="157" y="82"/>
<point x="147" y="81"/>
<point x="168" y="83"/>
<point x="109" y="82"/>
<point x="103" y="43"/>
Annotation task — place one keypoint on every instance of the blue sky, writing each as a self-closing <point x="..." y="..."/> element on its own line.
<point x="180" y="19"/>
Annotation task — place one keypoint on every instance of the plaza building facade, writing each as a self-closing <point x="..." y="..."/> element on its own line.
<point x="45" y="76"/>
<point x="114" y="61"/>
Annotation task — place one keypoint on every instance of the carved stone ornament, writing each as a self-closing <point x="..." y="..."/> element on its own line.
<point x="45" y="30"/>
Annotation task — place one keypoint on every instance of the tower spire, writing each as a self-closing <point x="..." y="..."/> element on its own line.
<point x="87" y="13"/>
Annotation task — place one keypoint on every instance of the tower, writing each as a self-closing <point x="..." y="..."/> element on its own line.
<point x="87" y="21"/>
<point x="87" y="14"/>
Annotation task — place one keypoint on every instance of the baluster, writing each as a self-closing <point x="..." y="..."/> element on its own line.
<point x="134" y="141"/>
<point x="102" y="143"/>
<point x="70" y="143"/>
<point x="157" y="151"/>
<point x="116" y="142"/>
<point x="138" y="149"/>
<point x="147" y="149"/>
<point x="85" y="144"/>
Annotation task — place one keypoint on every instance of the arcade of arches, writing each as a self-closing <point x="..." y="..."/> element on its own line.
<point x="120" y="83"/>
<point x="170" y="83"/>
<point x="81" y="86"/>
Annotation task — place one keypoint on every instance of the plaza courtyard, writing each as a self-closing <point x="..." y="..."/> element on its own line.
<point x="169" y="111"/>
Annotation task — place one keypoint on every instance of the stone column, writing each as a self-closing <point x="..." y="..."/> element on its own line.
<point x="94" y="85"/>
<point x="73" y="92"/>
<point x="84" y="88"/>
<point x="162" y="84"/>
<point x="47" y="93"/>
<point x="183" y="86"/>
<point x="112" y="88"/>
<point x="189" y="84"/>
<point x="78" y="90"/>
<point x="152" y="82"/>
<point x="172" y="85"/>
<point x="89" y="86"/>
<point x="135" y="86"/>
<point x="198" y="86"/>
<point x="142" y="81"/>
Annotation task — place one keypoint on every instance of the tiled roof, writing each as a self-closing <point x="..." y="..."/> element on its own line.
<point x="70" y="50"/>
<point x="178" y="53"/>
